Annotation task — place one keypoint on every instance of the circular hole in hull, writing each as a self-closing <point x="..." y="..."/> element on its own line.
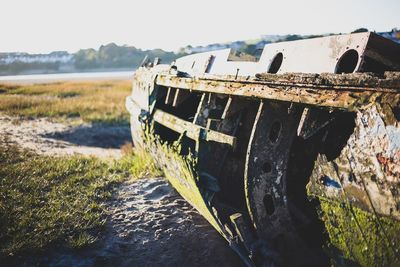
<point x="276" y="63"/>
<point x="275" y="131"/>
<point x="269" y="204"/>
<point x="347" y="62"/>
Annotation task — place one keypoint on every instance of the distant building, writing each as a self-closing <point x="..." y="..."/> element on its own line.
<point x="393" y="35"/>
<point x="260" y="45"/>
<point x="53" y="57"/>
<point x="200" y="49"/>
<point x="237" y="44"/>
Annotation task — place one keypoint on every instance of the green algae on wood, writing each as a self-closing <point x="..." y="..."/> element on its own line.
<point x="180" y="172"/>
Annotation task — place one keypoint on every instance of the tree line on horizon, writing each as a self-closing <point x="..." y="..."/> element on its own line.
<point x="110" y="56"/>
<point x="114" y="56"/>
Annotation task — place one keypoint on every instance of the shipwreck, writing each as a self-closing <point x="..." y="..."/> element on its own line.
<point x="293" y="156"/>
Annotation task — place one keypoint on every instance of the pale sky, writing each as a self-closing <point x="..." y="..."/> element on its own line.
<point x="41" y="26"/>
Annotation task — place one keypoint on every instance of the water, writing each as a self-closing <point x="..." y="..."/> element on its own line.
<point x="109" y="75"/>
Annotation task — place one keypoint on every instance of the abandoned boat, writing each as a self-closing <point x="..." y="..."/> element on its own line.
<point x="293" y="157"/>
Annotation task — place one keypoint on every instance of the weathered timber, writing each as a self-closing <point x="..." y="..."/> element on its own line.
<point x="344" y="97"/>
<point x="345" y="81"/>
<point x="191" y="130"/>
<point x="170" y="96"/>
<point x="180" y="96"/>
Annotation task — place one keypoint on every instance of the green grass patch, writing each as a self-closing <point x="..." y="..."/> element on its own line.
<point x="102" y="102"/>
<point x="139" y="163"/>
<point x="58" y="200"/>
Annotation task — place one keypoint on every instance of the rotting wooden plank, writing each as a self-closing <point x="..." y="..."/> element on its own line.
<point x="191" y="130"/>
<point x="198" y="117"/>
<point x="324" y="96"/>
<point x="180" y="96"/>
<point x="226" y="108"/>
<point x="364" y="81"/>
<point x="170" y="96"/>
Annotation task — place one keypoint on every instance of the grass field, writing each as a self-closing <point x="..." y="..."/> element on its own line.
<point x="90" y="101"/>
<point x="46" y="199"/>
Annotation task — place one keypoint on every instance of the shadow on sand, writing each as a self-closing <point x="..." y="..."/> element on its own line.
<point x="94" y="135"/>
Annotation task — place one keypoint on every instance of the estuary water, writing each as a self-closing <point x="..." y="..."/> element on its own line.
<point x="78" y="76"/>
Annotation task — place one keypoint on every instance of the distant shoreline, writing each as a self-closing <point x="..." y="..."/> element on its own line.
<point x="72" y="70"/>
<point x="70" y="76"/>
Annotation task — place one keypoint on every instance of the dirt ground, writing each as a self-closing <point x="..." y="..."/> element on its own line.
<point x="149" y="224"/>
<point x="54" y="138"/>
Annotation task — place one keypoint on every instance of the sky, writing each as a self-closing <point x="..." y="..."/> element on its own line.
<point x="42" y="26"/>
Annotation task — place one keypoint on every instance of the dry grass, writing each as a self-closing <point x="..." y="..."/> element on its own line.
<point x="90" y="101"/>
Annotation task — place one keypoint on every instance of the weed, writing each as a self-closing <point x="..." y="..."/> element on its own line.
<point x="101" y="102"/>
<point x="47" y="199"/>
<point x="139" y="162"/>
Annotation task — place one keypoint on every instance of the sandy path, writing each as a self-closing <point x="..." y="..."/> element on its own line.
<point x="52" y="138"/>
